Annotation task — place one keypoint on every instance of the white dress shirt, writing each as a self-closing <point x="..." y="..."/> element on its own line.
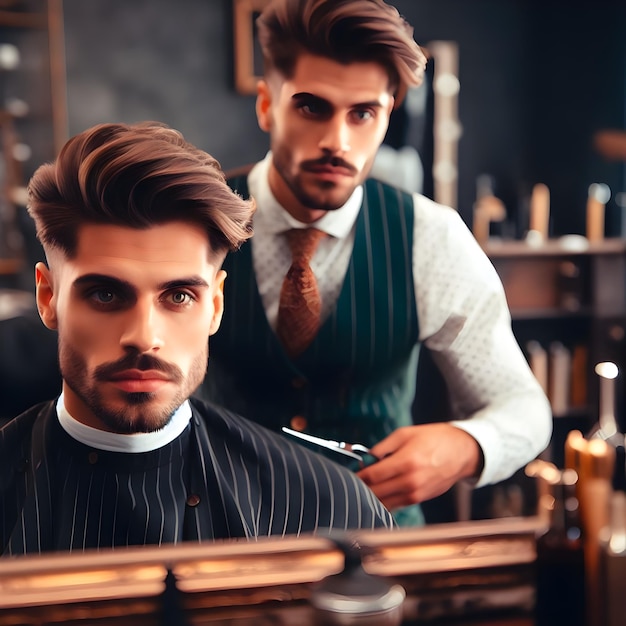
<point x="462" y="311"/>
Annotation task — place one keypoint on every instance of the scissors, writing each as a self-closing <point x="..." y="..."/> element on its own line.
<point x="353" y="450"/>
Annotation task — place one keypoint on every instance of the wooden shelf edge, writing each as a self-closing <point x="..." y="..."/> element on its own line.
<point x="553" y="247"/>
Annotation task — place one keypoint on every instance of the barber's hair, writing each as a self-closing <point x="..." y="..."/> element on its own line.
<point x="137" y="176"/>
<point x="345" y="31"/>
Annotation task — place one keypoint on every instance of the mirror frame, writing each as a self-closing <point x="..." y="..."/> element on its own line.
<point x="460" y="567"/>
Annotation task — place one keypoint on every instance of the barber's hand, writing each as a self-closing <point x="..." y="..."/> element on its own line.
<point x="421" y="462"/>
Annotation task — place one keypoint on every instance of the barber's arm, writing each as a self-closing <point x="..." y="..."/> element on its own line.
<point x="500" y="418"/>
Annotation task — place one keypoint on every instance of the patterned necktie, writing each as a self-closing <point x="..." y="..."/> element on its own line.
<point x="300" y="303"/>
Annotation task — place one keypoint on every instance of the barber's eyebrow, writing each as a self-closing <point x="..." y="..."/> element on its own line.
<point x="123" y="285"/>
<point x="305" y="96"/>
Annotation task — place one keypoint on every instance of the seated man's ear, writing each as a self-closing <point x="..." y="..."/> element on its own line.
<point x="45" y="296"/>
<point x="218" y="302"/>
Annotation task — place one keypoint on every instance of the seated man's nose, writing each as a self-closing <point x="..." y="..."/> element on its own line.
<point x="142" y="332"/>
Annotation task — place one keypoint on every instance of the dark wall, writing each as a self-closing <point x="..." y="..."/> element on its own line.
<point x="537" y="78"/>
<point x="578" y="86"/>
<point x="169" y="60"/>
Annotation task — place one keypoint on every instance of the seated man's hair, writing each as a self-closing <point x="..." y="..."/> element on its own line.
<point x="137" y="176"/>
<point x="346" y="31"/>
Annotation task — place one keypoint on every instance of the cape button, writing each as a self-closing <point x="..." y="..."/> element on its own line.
<point x="193" y="499"/>
<point x="92" y="457"/>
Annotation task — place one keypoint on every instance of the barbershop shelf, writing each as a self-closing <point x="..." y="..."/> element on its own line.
<point x="522" y="314"/>
<point x="567" y="299"/>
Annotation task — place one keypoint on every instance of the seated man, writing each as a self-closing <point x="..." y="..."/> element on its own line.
<point x="135" y="223"/>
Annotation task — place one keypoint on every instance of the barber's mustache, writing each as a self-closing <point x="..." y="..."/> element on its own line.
<point x="333" y="161"/>
<point x="142" y="362"/>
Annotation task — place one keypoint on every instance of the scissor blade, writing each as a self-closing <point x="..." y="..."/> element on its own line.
<point x="325" y="443"/>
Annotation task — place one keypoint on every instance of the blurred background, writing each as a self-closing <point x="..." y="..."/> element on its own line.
<point x="537" y="79"/>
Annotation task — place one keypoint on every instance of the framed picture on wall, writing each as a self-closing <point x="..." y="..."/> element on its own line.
<point x="248" y="61"/>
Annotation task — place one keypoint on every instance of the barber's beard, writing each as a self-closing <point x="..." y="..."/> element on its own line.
<point x="126" y="412"/>
<point x="322" y="199"/>
<point x="315" y="196"/>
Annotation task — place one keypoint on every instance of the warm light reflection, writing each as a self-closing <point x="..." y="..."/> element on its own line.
<point x="140" y="572"/>
<point x="87" y="585"/>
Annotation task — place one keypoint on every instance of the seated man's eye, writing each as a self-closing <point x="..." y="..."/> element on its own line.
<point x="180" y="298"/>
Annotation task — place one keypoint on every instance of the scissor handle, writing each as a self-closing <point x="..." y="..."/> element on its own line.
<point x="359" y="447"/>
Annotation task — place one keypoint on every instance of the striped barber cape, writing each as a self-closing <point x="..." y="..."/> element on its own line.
<point x="223" y="477"/>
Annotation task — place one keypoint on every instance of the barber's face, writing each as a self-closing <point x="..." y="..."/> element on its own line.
<point x="134" y="310"/>
<point x="325" y="124"/>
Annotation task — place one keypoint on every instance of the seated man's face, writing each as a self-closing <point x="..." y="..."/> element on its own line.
<point x="134" y="310"/>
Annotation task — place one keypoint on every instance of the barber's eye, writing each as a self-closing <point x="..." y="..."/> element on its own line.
<point x="103" y="296"/>
<point x="362" y="115"/>
<point x="308" y="108"/>
<point x="314" y="109"/>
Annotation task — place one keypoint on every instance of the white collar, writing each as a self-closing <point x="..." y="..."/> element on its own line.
<point x="271" y="218"/>
<point x="116" y="442"/>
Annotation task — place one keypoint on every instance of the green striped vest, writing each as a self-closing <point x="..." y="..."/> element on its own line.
<point x="356" y="381"/>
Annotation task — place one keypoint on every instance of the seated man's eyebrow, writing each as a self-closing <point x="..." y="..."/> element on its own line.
<point x="125" y="286"/>
<point x="104" y="280"/>
<point x="177" y="283"/>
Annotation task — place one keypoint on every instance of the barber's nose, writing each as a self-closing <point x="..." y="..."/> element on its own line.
<point x="336" y="136"/>
<point x="142" y="330"/>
